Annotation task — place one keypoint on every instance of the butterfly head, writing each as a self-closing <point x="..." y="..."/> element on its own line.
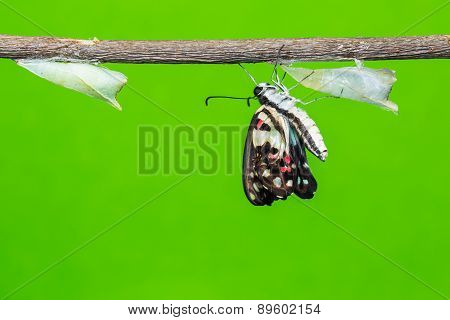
<point x="262" y="88"/>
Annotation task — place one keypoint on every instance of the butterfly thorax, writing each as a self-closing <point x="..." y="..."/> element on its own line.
<point x="271" y="95"/>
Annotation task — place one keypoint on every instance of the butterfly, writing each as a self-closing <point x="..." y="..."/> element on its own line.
<point x="275" y="163"/>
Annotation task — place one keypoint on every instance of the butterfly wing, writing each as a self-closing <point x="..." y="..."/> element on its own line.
<point x="305" y="184"/>
<point x="274" y="158"/>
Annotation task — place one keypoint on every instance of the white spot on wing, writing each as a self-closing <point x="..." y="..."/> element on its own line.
<point x="262" y="116"/>
<point x="277" y="182"/>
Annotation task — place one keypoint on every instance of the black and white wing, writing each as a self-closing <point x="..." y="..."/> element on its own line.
<point x="275" y="163"/>
<point x="305" y="184"/>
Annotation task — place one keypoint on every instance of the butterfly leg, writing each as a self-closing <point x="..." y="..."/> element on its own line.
<point x="284" y="76"/>
<point x="248" y="73"/>
<point x="275" y="67"/>
<point x="275" y="78"/>
<point x="296" y="85"/>
<point x="283" y="87"/>
<point x="316" y="99"/>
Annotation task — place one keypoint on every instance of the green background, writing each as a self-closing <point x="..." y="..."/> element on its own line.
<point x="68" y="166"/>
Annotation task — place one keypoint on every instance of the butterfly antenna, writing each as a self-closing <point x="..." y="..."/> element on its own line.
<point x="248" y="73"/>
<point x="227" y="97"/>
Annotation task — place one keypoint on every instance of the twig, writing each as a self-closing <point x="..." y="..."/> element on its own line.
<point x="225" y="51"/>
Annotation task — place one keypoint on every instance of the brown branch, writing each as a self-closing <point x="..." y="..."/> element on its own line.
<point x="226" y="51"/>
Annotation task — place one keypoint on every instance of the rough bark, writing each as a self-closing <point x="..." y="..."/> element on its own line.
<point x="225" y="51"/>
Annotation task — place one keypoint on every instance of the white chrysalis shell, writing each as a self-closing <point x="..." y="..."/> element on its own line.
<point x="356" y="83"/>
<point x="91" y="80"/>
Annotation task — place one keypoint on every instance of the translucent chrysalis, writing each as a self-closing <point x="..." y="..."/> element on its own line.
<point x="91" y="80"/>
<point x="356" y="83"/>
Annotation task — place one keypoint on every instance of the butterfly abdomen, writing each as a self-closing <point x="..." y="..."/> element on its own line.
<point x="310" y="133"/>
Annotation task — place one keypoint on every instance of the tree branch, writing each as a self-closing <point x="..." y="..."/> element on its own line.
<point x="225" y="51"/>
